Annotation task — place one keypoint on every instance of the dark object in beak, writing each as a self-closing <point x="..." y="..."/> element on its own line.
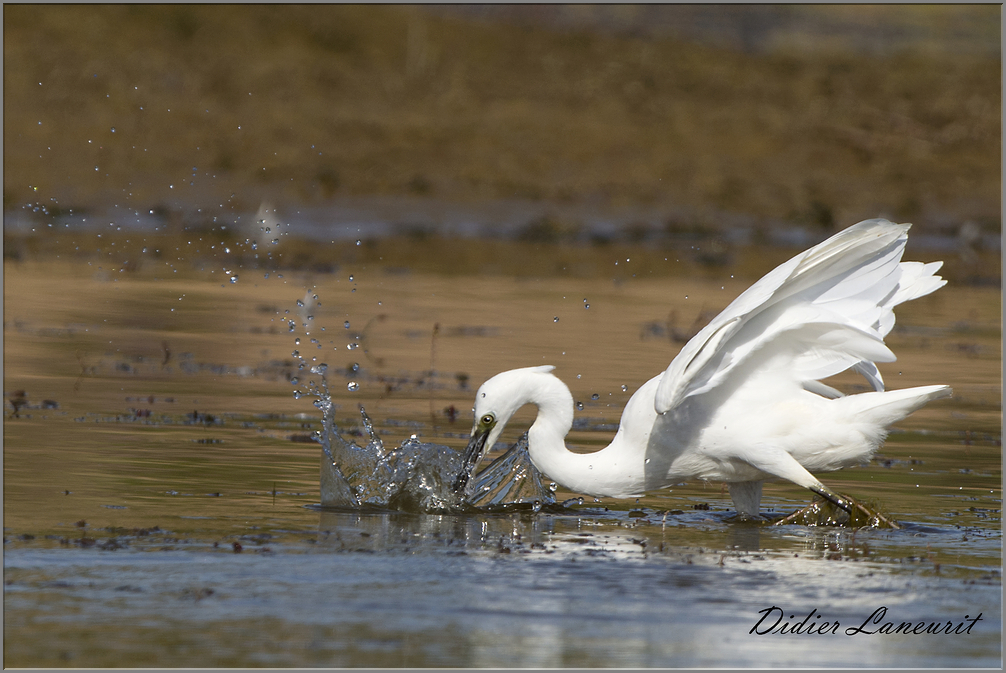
<point x="474" y="453"/>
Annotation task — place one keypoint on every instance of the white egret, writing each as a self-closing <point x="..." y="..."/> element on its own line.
<point x="742" y="402"/>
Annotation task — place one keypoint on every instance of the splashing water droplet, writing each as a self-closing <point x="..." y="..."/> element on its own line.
<point x="624" y="387"/>
<point x="594" y="396"/>
<point x="294" y="381"/>
<point x="300" y="303"/>
<point x="586" y="305"/>
<point x="297" y="341"/>
<point x="579" y="406"/>
<point x="355" y="367"/>
<point x="352" y="386"/>
<point x="297" y="394"/>
<point x="358" y="241"/>
<point x="351" y="276"/>
<point x="352" y="347"/>
<point x="346" y="324"/>
<point x="234" y="279"/>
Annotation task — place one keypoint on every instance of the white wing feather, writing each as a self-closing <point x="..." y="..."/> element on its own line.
<point x="826" y="310"/>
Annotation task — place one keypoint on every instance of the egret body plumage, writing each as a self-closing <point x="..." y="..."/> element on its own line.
<point x="743" y="401"/>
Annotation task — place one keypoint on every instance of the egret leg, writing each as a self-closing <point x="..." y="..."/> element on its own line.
<point x="835" y="498"/>
<point x="780" y="464"/>
<point x="747" y="497"/>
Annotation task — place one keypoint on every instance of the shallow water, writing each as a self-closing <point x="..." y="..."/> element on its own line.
<point x="161" y="514"/>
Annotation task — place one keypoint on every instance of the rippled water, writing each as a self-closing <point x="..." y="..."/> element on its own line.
<point x="162" y="502"/>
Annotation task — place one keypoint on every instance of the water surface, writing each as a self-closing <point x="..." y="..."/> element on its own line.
<point x="161" y="508"/>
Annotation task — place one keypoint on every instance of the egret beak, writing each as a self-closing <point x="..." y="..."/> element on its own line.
<point x="473" y="455"/>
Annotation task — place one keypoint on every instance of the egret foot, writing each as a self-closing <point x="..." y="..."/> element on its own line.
<point x="826" y="513"/>
<point x="833" y="497"/>
<point x="742" y="517"/>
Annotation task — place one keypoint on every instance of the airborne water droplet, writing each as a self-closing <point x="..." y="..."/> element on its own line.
<point x="358" y="241"/>
<point x="555" y="319"/>
<point x="579" y="406"/>
<point x="346" y="324"/>
<point x="594" y="396"/>
<point x="352" y="386"/>
<point x="624" y="388"/>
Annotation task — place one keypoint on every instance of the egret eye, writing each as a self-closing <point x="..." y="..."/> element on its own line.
<point x="488" y="419"/>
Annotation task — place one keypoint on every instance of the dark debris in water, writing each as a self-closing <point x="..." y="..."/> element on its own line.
<point x="822" y="512"/>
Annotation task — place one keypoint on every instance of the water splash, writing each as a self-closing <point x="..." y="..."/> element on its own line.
<point x="416" y="476"/>
<point x="510" y="479"/>
<point x="419" y="476"/>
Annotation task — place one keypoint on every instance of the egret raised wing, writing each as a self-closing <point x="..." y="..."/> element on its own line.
<point x="743" y="401"/>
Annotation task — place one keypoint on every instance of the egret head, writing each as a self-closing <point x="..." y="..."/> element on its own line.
<point x="495" y="403"/>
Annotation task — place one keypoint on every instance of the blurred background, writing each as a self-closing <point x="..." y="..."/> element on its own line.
<point x="531" y="124"/>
